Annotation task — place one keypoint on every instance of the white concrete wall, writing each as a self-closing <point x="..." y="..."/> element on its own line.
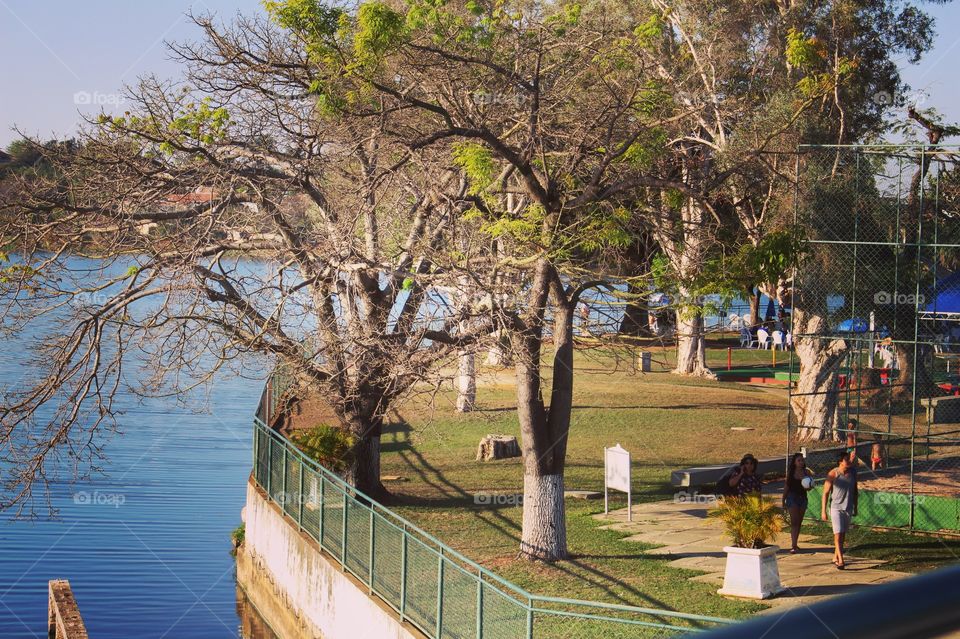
<point x="311" y="584"/>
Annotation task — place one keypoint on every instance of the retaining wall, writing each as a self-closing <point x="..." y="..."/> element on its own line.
<point x="299" y="590"/>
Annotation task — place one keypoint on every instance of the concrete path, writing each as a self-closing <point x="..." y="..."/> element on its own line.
<point x="692" y="540"/>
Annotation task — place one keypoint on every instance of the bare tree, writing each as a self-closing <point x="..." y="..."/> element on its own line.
<point x="230" y="219"/>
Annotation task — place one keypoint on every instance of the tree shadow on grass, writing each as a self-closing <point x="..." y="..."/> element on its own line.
<point x="673" y="556"/>
<point x="613" y="585"/>
<point x="451" y="494"/>
<point x="400" y="430"/>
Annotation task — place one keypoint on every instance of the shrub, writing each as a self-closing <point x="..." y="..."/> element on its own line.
<point x="750" y="520"/>
<point x="330" y="447"/>
<point x="237" y="537"/>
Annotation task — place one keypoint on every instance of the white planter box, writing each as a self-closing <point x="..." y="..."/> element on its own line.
<point x="751" y="573"/>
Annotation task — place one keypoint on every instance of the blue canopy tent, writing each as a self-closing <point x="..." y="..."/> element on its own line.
<point x="853" y="325"/>
<point x="944" y="303"/>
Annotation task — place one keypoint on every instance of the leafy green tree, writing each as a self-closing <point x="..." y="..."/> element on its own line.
<point x="550" y="111"/>
<point x="574" y="119"/>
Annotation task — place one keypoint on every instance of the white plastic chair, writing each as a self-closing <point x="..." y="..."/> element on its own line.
<point x="763" y="339"/>
<point x="938" y="343"/>
<point x="788" y="340"/>
<point x="745" y="338"/>
<point x="777" y="340"/>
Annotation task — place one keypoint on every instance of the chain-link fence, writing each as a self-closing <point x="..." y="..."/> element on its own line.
<point x="427" y="583"/>
<point x="875" y="316"/>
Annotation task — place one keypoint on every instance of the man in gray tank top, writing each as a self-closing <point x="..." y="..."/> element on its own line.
<point x="841" y="488"/>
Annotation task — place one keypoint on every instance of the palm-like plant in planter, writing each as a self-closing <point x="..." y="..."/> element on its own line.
<point x="751" y="522"/>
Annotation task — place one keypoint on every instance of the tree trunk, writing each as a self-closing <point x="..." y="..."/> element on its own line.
<point x="687" y="255"/>
<point x="543" y="432"/>
<point x="499" y="354"/>
<point x="754" y="308"/>
<point x="816" y="399"/>
<point x="907" y="367"/>
<point x="363" y="470"/>
<point x="691" y="347"/>
<point x="636" y="317"/>
<point x="466" y="382"/>
<point x="905" y="322"/>
<point x="544" y="534"/>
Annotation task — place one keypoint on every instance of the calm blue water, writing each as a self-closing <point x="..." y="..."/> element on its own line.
<point x="146" y="547"/>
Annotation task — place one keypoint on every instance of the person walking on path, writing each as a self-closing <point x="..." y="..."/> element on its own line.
<point x="795" y="497"/>
<point x="841" y="488"/>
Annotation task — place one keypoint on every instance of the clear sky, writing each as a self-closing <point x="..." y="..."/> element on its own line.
<point x="61" y="57"/>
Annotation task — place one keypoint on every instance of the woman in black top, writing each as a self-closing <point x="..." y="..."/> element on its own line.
<point x="795" y="496"/>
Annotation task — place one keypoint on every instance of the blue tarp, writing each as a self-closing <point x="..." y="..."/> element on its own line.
<point x="853" y="325"/>
<point x="945" y="299"/>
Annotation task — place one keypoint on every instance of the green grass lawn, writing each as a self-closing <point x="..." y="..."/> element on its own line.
<point x="666" y="422"/>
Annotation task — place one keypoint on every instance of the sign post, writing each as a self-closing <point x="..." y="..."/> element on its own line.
<point x="616" y="475"/>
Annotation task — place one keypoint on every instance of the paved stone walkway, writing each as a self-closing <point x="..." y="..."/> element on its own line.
<point x="693" y="540"/>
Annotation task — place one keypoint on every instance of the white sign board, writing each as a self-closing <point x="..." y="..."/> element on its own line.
<point x="616" y="475"/>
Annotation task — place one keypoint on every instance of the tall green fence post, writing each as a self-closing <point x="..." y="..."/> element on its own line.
<point x="479" y="604"/>
<point x="320" y="523"/>
<point x="440" y="594"/>
<point x="283" y="495"/>
<point x="529" y="618"/>
<point x="256" y="449"/>
<point x="403" y="574"/>
<point x="300" y="497"/>
<point x="270" y="467"/>
<point x="370" y="562"/>
<point x="343" y="531"/>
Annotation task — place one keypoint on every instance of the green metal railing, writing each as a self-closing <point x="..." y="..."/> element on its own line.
<point x="279" y="382"/>
<point x="428" y="584"/>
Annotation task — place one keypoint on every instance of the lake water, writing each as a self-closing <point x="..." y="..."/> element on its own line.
<point x="147" y="546"/>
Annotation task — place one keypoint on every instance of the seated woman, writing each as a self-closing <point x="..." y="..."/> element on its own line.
<point x="745" y="479"/>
